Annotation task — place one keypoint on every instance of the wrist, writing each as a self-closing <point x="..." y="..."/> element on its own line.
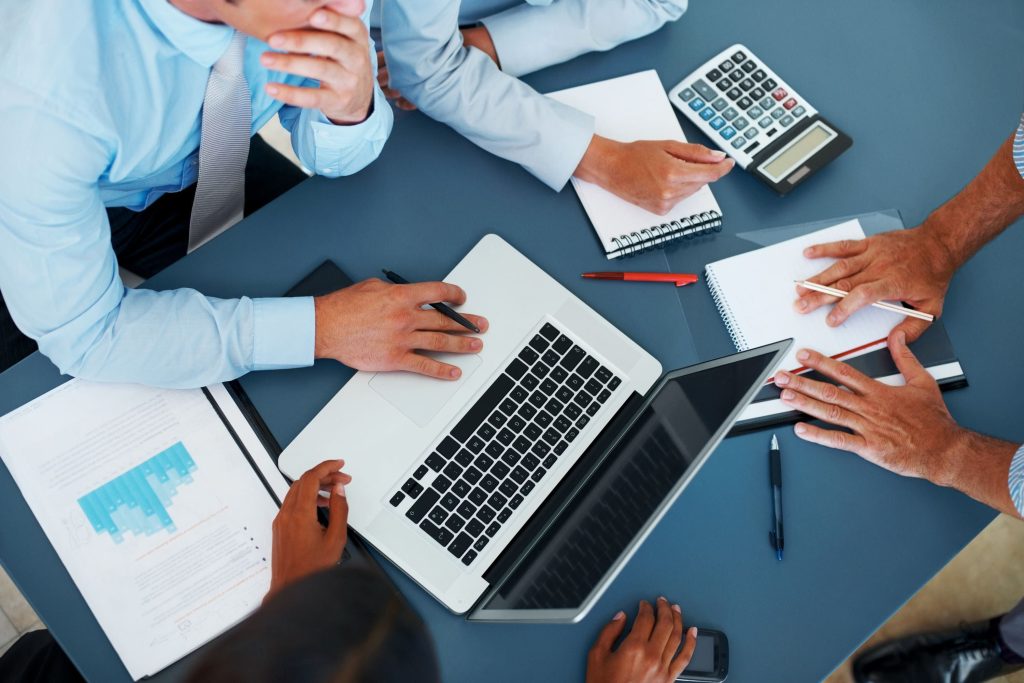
<point x="599" y="157"/>
<point x="946" y="468"/>
<point x="480" y="38"/>
<point x="347" y="119"/>
<point x="943" y="251"/>
<point x="319" y="343"/>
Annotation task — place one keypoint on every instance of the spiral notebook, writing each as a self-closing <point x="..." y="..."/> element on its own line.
<point x="754" y="293"/>
<point x="629" y="108"/>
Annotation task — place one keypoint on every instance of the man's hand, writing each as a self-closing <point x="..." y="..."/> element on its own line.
<point x="301" y="545"/>
<point x="904" y="265"/>
<point x="336" y="52"/>
<point x="653" y="174"/>
<point x="475" y="36"/>
<point x="374" y="325"/>
<point x="906" y="430"/>
<point x="649" y="653"/>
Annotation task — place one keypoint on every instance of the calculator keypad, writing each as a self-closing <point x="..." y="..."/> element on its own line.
<point x="740" y="102"/>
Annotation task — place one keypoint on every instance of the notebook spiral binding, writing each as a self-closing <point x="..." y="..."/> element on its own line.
<point x="725" y="310"/>
<point x="658" y="235"/>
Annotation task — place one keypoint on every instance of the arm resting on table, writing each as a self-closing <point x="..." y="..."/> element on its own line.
<point x="59" y="278"/>
<point x="466" y="90"/>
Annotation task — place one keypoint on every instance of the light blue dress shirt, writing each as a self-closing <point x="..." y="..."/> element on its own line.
<point x="100" y="107"/>
<point x="464" y="89"/>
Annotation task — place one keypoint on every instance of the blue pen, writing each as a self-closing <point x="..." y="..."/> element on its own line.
<point x="775" y="477"/>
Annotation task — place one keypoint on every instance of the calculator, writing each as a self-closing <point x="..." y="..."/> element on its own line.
<point x="758" y="119"/>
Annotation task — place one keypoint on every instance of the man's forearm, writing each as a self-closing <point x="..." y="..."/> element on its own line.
<point x="979" y="466"/>
<point x="982" y="210"/>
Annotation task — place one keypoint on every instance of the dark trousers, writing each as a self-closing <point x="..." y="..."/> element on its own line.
<point x="148" y="241"/>
<point x="37" y="658"/>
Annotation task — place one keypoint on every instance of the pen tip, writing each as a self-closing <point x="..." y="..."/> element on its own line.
<point x="778" y="554"/>
<point x="775" y="443"/>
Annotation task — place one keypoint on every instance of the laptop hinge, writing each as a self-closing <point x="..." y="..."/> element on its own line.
<point x="547" y="514"/>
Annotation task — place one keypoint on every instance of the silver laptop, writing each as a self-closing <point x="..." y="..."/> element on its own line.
<point x="518" y="492"/>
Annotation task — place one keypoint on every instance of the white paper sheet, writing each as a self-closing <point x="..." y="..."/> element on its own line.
<point x="159" y="518"/>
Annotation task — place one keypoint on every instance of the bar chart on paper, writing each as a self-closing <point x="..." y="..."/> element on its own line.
<point x="137" y="501"/>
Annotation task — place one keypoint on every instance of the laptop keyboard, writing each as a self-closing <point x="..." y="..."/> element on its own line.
<point x="614" y="513"/>
<point x="483" y="469"/>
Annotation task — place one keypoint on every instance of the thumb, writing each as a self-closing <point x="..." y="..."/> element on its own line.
<point x="349" y="8"/>
<point x="337" y="526"/>
<point x="610" y="633"/>
<point x="906" y="362"/>
<point x="691" y="152"/>
<point x="912" y="328"/>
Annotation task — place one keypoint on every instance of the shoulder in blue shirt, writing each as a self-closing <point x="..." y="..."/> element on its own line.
<point x="101" y="108"/>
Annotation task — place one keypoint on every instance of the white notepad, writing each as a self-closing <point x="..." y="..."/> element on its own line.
<point x="630" y="108"/>
<point x="755" y="292"/>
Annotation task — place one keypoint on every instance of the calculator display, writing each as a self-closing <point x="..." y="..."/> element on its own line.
<point x="797" y="151"/>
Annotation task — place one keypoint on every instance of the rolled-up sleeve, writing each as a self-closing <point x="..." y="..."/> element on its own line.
<point x="464" y="89"/>
<point x="1016" y="480"/>
<point x="530" y="37"/>
<point x="60" y="281"/>
<point x="1018" y="147"/>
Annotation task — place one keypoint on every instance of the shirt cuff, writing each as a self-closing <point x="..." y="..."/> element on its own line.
<point x="1016" y="480"/>
<point x="570" y="134"/>
<point x="284" y="333"/>
<point x="515" y="40"/>
<point x="333" y="141"/>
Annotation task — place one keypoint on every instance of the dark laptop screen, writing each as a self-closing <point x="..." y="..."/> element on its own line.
<point x="626" y="489"/>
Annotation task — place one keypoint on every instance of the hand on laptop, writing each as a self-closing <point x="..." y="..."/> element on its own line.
<point x="653" y="174"/>
<point x="301" y="545"/>
<point x="336" y="52"/>
<point x="376" y="326"/>
<point x="903" y="265"/>
<point x="649" y="653"/>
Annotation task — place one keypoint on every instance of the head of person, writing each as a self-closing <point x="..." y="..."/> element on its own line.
<point x="339" y="625"/>
<point x="262" y="18"/>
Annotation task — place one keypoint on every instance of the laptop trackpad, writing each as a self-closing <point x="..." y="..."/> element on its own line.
<point x="420" y="398"/>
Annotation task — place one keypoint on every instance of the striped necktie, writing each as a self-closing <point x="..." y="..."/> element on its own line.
<point x="223" y="148"/>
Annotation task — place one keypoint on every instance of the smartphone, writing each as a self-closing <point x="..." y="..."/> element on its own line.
<point x="710" y="661"/>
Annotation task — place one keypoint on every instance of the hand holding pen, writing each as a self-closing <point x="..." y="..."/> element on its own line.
<point x="377" y="326"/>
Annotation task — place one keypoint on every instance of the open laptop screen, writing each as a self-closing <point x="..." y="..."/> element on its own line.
<point x="675" y="430"/>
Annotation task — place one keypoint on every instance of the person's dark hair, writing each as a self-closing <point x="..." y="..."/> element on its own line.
<point x="337" y="626"/>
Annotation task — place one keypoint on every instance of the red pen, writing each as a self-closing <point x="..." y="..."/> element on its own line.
<point x="678" y="279"/>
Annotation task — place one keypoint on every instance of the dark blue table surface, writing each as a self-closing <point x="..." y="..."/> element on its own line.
<point x="927" y="90"/>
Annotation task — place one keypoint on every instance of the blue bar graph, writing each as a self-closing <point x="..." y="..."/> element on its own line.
<point x="137" y="500"/>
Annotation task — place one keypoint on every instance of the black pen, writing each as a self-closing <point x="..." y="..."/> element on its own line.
<point x="775" y="477"/>
<point x="443" y="308"/>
